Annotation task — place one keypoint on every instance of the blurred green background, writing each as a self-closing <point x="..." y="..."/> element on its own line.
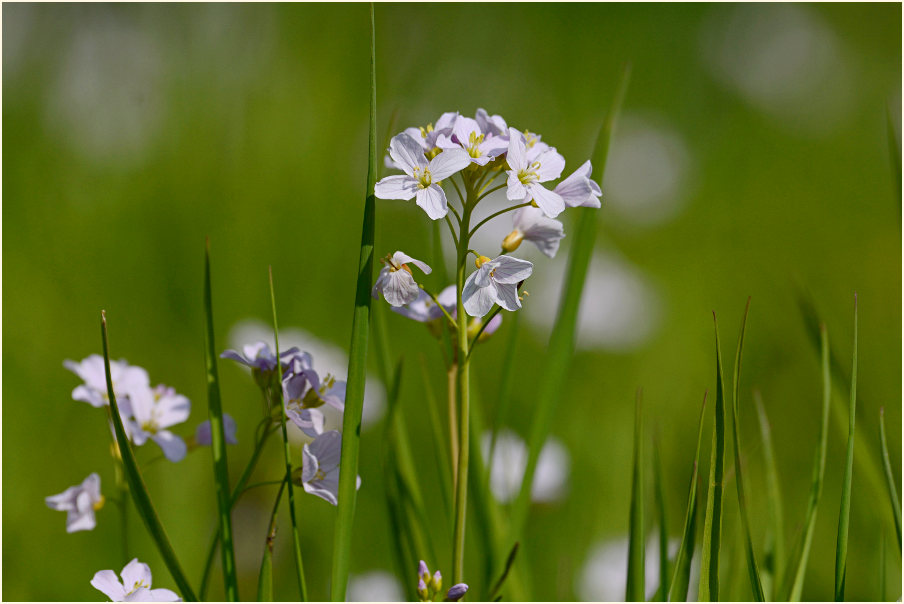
<point x="752" y="160"/>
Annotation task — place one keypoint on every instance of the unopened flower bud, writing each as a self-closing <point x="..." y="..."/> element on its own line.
<point x="456" y="592"/>
<point x="423" y="571"/>
<point x="481" y="260"/>
<point x="437" y="581"/>
<point x="512" y="241"/>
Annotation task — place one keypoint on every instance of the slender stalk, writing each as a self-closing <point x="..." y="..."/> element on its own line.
<point x="844" y="515"/>
<point x="452" y="391"/>
<point x="890" y="477"/>
<point x="452" y="231"/>
<point x="124" y="519"/>
<point x="634" y="590"/>
<point x="493" y="190"/>
<point x="483" y="327"/>
<point x="265" y="578"/>
<point x="495" y="214"/>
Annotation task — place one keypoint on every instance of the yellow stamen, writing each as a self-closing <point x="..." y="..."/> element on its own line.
<point x="481" y="260"/>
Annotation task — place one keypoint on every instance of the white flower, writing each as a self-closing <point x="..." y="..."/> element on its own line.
<point x="491" y="125"/>
<point x="135" y="585"/>
<point x="532" y="225"/>
<point x="320" y="466"/>
<point x="421" y="178"/>
<point x="80" y="502"/>
<point x="579" y="190"/>
<point x="467" y="135"/>
<point x="125" y="378"/>
<point x="510" y="460"/>
<point x="304" y="395"/>
<point x="526" y="174"/>
<point x="396" y="282"/>
<point x="375" y="586"/>
<point x="155" y="410"/>
<point x="495" y="281"/>
<point x="426" y="137"/>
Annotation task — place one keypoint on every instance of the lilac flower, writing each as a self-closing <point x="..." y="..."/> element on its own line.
<point x="79" y="502"/>
<point x="526" y="174"/>
<point x="320" y="466"/>
<point x="202" y="433"/>
<point x="424" y="309"/>
<point x="421" y="178"/>
<point x="396" y="282"/>
<point x="304" y="393"/>
<point x="155" y="410"/>
<point x="532" y="225"/>
<point x="491" y="125"/>
<point x="125" y="378"/>
<point x="535" y="147"/>
<point x="467" y="135"/>
<point x="426" y="137"/>
<point x="495" y="281"/>
<point x="134" y="587"/>
<point x="429" y="588"/>
<point x="579" y="190"/>
<point x="258" y="356"/>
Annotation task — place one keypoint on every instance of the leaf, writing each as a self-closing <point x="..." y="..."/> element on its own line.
<point x="774" y="554"/>
<point x="663" y="591"/>
<point x="137" y="488"/>
<point x="265" y="578"/>
<point x="508" y="567"/>
<point x="635" y="588"/>
<point x="844" y="515"/>
<point x="890" y="477"/>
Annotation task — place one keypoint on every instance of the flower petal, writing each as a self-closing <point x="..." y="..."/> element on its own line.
<point x="433" y="201"/>
<point x="551" y="164"/>
<point x="403" y="258"/>
<point x="407" y="152"/>
<point x="477" y="300"/>
<point x="398" y="186"/>
<point x="327" y="448"/>
<point x="171" y="410"/>
<point x="507" y="296"/>
<point x="173" y="446"/>
<point x="107" y="582"/>
<point x="516" y="190"/>
<point x="544" y="232"/>
<point x="136" y="574"/>
<point x="448" y="163"/>
<point x="511" y="270"/>
<point x="550" y="202"/>
<point x="163" y="595"/>
<point x="516" y="157"/>
<point x="400" y="288"/>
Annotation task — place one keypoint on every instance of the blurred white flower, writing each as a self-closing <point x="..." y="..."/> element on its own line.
<point x="605" y="573"/>
<point x="375" y="586"/>
<point x="79" y="502"/>
<point x="510" y="460"/>
<point x="134" y="587"/>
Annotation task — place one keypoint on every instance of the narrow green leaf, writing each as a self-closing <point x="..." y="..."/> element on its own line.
<point x="561" y="342"/>
<point x="774" y="558"/>
<point x="276" y="396"/>
<point x="663" y="591"/>
<point x="634" y="590"/>
<point x="439" y="441"/>
<point x="357" y="360"/>
<point x="890" y="477"/>
<point x="712" y="525"/>
<point x="798" y="568"/>
<point x="682" y="573"/>
<point x="401" y="539"/>
<point x="137" y="487"/>
<point x="265" y="578"/>
<point x="218" y="443"/>
<point x="753" y="571"/>
<point x="508" y="567"/>
<point x="844" y="515"/>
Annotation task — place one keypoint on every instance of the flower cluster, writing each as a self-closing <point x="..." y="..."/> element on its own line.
<point x="429" y="587"/>
<point x="134" y="587"/>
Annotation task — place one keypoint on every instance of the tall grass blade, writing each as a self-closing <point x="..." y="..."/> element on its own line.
<point x="798" y="568"/>
<point x="218" y="443"/>
<point x="681" y="576"/>
<point x="635" y="589"/>
<point x="561" y="342"/>
<point x="137" y="487"/>
<point x="756" y="584"/>
<point x="712" y="524"/>
<point x="844" y="515"/>
<point x="664" y="575"/>
<point x="774" y="556"/>
<point x="265" y="578"/>
<point x="508" y="567"/>
<point x="354" y="394"/>
<point x="277" y="396"/>
<point x="890" y="477"/>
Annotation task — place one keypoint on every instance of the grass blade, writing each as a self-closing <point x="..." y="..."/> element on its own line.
<point x="561" y="342"/>
<point x="798" y="570"/>
<point x="635" y="588"/>
<point x="681" y="576"/>
<point x="137" y="487"/>
<point x="882" y="563"/>
<point x="753" y="570"/>
<point x="890" y="477"/>
<point x="712" y="524"/>
<point x="265" y="579"/>
<point x="508" y="567"/>
<point x="218" y="443"/>
<point x="278" y="398"/>
<point x="440" y="449"/>
<point x="664" y="574"/>
<point x="357" y="360"/>
<point x="774" y="555"/>
<point x="844" y="515"/>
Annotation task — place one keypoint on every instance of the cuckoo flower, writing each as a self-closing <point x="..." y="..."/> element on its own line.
<point x="125" y="378"/>
<point x="491" y="125"/>
<point x="304" y="394"/>
<point x="467" y="135"/>
<point x="134" y="587"/>
<point x="579" y="190"/>
<point x="155" y="410"/>
<point x="396" y="282"/>
<point x="79" y="502"/>
<point x="202" y="433"/>
<point x="320" y="466"/>
<point x="494" y="281"/>
<point x="258" y="356"/>
<point x="525" y="175"/>
<point x="532" y="225"/>
<point x="421" y="178"/>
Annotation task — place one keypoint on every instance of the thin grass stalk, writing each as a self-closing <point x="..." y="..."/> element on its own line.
<point x="440" y="452"/>
<point x="218" y="443"/>
<point x="844" y="515"/>
<point x="265" y="578"/>
<point x="774" y="560"/>
<point x="636" y="581"/>
<point x="890" y="477"/>
<point x="664" y="575"/>
<point x="136" y="483"/>
<point x="799" y="566"/>
<point x="357" y="361"/>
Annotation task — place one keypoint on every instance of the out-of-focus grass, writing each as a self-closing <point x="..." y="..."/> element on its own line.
<point x="258" y="138"/>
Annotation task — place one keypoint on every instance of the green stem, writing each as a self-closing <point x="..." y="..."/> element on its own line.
<point x="495" y="214"/>
<point x="452" y="230"/>
<point x="483" y="326"/>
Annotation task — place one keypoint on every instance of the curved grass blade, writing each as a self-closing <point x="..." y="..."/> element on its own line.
<point x="890" y="477"/>
<point x="844" y="515"/>
<point x="136" y="483"/>
<point x="635" y="588"/>
<point x="561" y="342"/>
<point x="265" y="579"/>
<point x="664" y="575"/>
<point x="756" y="584"/>
<point x="799" y="565"/>
<point x="440" y="448"/>
<point x="508" y="567"/>
<point x="712" y="524"/>
<point x="357" y="359"/>
<point x="681" y="576"/>
<point x="774" y="556"/>
<point x="218" y="443"/>
<point x="278" y="398"/>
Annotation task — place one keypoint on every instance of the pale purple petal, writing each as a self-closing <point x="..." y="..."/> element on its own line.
<point x="550" y="202"/>
<point x="422" y="569"/>
<point x="398" y="186"/>
<point x="507" y="296"/>
<point x="107" y="582"/>
<point x="136" y="574"/>
<point x="551" y="165"/>
<point x="381" y="282"/>
<point x="516" y="190"/>
<point x="174" y="448"/>
<point x="478" y="300"/>
<point x="309" y="464"/>
<point x="493" y="325"/>
<point x="463" y="128"/>
<point x="327" y="448"/>
<point x="172" y="410"/>
<point x="309" y="421"/>
<point x="433" y="201"/>
<point x="407" y="152"/>
<point x="403" y="258"/>
<point x="457" y="592"/>
<point x="578" y="189"/>
<point x="491" y="125"/>
<point x="335" y="396"/>
<point x="448" y="297"/>
<point x="202" y="433"/>
<point x="482" y="275"/>
<point x="448" y="163"/>
<point x="511" y="270"/>
<point x="400" y="288"/>
<point x="163" y="595"/>
<point x="544" y="232"/>
<point x="516" y="156"/>
<point x="445" y="121"/>
<point x="326" y="489"/>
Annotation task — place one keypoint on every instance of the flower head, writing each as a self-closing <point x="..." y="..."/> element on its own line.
<point x="468" y="135"/>
<point x="202" y="433"/>
<point x="532" y="225"/>
<point x="304" y="393"/>
<point x="495" y="281"/>
<point x="426" y="137"/>
<point x="154" y="410"/>
<point x="134" y="587"/>
<point x="320" y="466"/>
<point x="79" y="502"/>
<point x="527" y="172"/>
<point x="396" y="282"/>
<point x="258" y="356"/>
<point x="491" y="125"/>
<point x="421" y="178"/>
<point x="579" y="190"/>
<point x="125" y="378"/>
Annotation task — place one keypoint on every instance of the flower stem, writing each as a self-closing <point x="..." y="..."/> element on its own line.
<point x="495" y="214"/>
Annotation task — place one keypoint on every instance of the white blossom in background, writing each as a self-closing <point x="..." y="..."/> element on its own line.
<point x="605" y="571"/>
<point x="510" y="460"/>
<point x="375" y="586"/>
<point x="395" y="280"/>
<point x="153" y="411"/>
<point x="126" y="379"/>
<point x="134" y="587"/>
<point x="79" y="502"/>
